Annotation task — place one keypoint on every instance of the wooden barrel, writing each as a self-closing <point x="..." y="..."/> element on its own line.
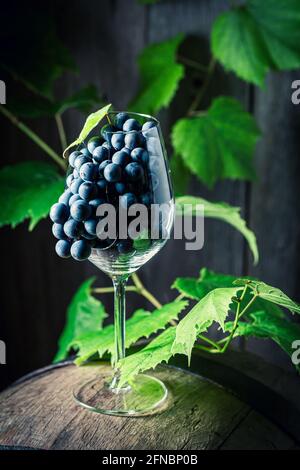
<point x="235" y="401"/>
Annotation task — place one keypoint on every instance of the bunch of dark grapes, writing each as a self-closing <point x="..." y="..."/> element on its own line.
<point x="112" y="168"/>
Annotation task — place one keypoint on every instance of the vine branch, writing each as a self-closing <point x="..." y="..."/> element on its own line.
<point x="192" y="63"/>
<point x="141" y="289"/>
<point x="138" y="288"/>
<point x="33" y="136"/>
<point x="61" y="131"/>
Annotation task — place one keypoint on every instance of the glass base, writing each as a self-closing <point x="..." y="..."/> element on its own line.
<point x="145" y="396"/>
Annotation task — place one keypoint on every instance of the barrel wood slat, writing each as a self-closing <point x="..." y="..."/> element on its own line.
<point x="39" y="412"/>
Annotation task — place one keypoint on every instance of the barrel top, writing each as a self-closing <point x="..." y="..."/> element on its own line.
<point x="40" y="413"/>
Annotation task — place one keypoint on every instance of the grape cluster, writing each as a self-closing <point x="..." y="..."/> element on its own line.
<point x="112" y="168"/>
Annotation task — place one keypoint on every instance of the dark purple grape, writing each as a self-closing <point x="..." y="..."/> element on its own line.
<point x="121" y="158"/>
<point x="133" y="140"/>
<point x="80" y="161"/>
<point x="72" y="157"/>
<point x="131" y="125"/>
<point x="88" y="171"/>
<point x="134" y="172"/>
<point x="73" y="229"/>
<point x="112" y="173"/>
<point x="117" y="140"/>
<point x="109" y="147"/>
<point x="93" y="143"/>
<point x="76" y="185"/>
<point x="90" y="226"/>
<point x="80" y="210"/>
<point x="58" y="231"/>
<point x="59" y="213"/>
<point x="100" y="154"/>
<point x="120" y="119"/>
<point x="88" y="190"/>
<point x="107" y="132"/>
<point x="86" y="152"/>
<point x="73" y="198"/>
<point x="62" y="248"/>
<point x="140" y="155"/>
<point x="80" y="250"/>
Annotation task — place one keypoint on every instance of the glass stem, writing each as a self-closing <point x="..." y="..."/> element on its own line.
<point x="119" y="283"/>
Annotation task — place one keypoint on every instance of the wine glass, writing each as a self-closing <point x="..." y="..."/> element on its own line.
<point x="120" y="257"/>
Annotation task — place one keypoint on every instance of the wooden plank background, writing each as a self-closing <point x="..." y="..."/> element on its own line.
<point x="105" y="38"/>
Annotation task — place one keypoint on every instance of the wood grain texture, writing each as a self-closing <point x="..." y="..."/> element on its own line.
<point x="40" y="413"/>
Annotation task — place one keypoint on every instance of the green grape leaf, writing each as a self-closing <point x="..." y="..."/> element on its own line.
<point x="33" y="106"/>
<point x="197" y="288"/>
<point x="160" y="76"/>
<point x="264" y="325"/>
<point x="257" y="37"/>
<point x="156" y="352"/>
<point x="91" y="122"/>
<point x="214" y="307"/>
<point x="28" y="191"/>
<point x="141" y="325"/>
<point x="219" y="143"/>
<point x="189" y="287"/>
<point x="33" y="55"/>
<point x="270" y="294"/>
<point x="97" y="342"/>
<point x="224" y="212"/>
<point x="85" y="314"/>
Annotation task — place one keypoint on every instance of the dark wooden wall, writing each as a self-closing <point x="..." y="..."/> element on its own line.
<point x="105" y="38"/>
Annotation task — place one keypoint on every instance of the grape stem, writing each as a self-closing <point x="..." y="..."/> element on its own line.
<point x="192" y="63"/>
<point x="33" y="136"/>
<point x="138" y="288"/>
<point x="209" y="341"/>
<point x="61" y="131"/>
